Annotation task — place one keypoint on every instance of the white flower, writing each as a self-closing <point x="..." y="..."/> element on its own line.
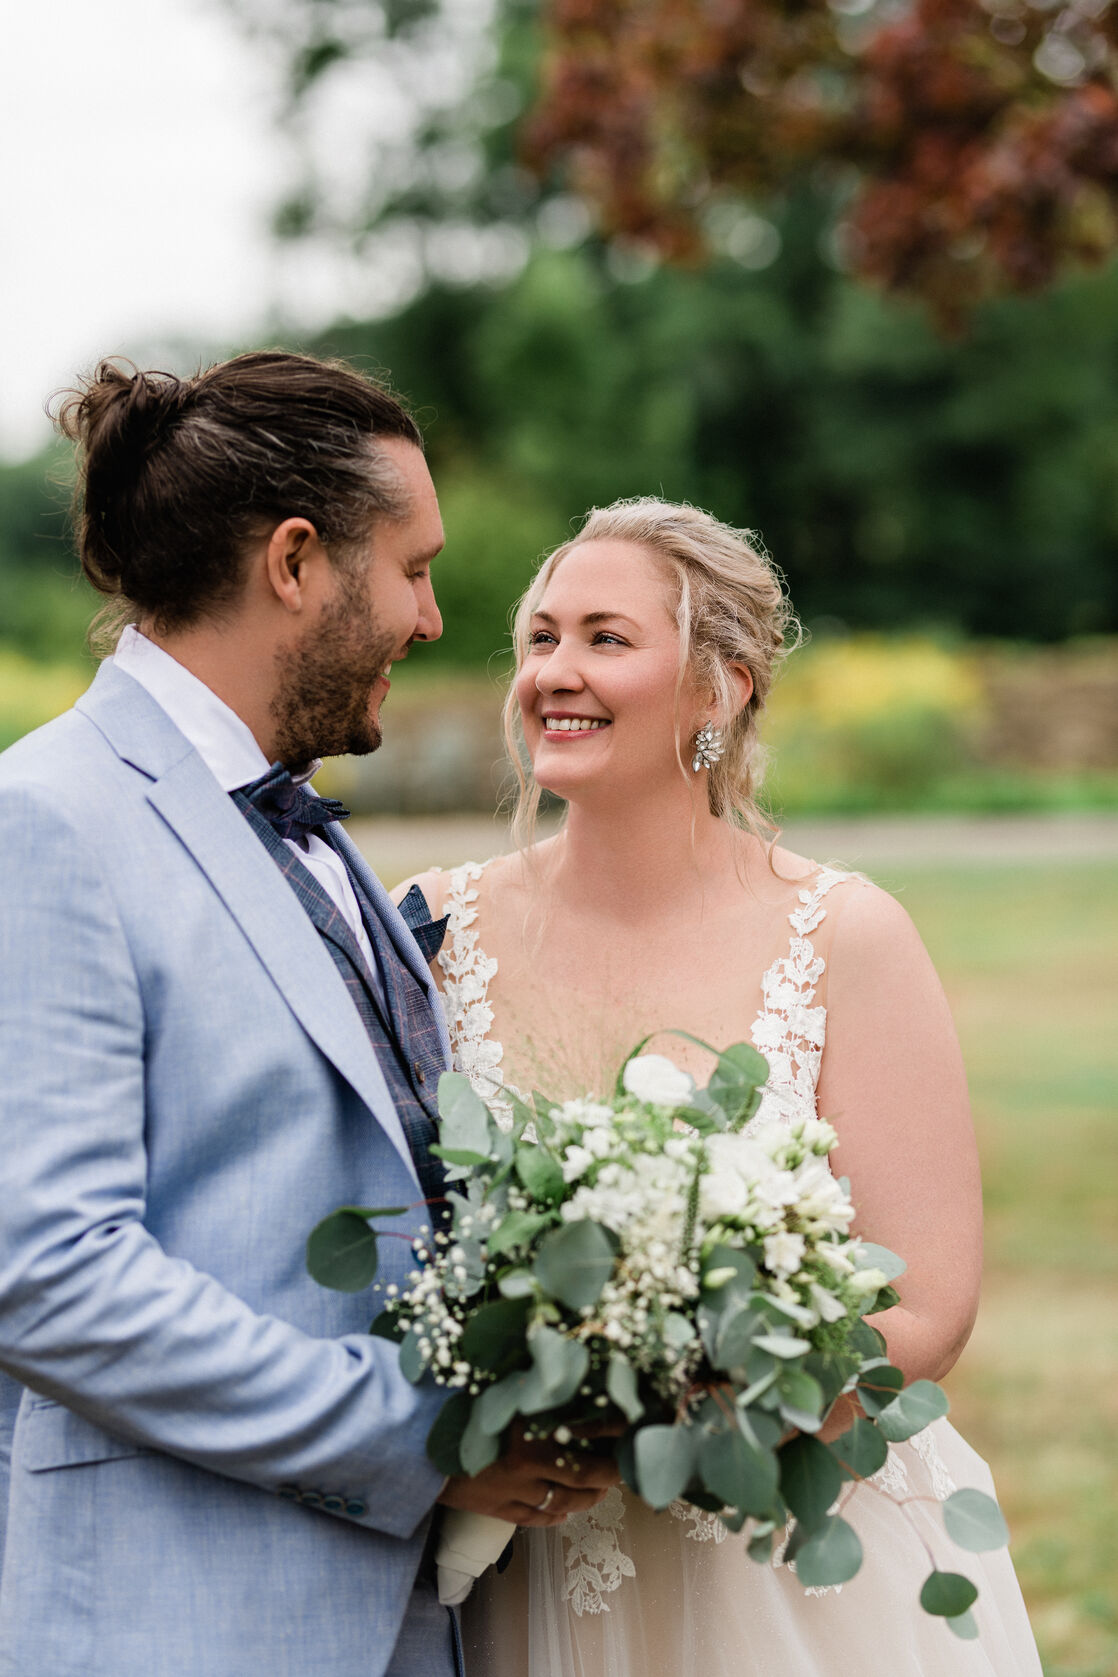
<point x="827" y="1305"/>
<point x="867" y="1280"/>
<point x="783" y="1252"/>
<point x="657" y="1080"/>
<point x="599" y="1142"/>
<point x="577" y="1160"/>
<point x="721" y="1194"/>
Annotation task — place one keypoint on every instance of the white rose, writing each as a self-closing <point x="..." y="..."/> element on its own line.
<point x="783" y="1252"/>
<point x="721" y="1194"/>
<point x="657" y="1080"/>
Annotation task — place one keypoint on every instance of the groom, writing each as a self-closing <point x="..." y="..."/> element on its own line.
<point x="215" y="1028"/>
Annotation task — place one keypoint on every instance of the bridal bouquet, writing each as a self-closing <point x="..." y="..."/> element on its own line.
<point x="644" y="1262"/>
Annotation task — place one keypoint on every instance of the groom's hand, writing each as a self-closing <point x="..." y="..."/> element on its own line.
<point x="536" y="1482"/>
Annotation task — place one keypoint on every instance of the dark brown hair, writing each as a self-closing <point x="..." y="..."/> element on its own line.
<point x="179" y="476"/>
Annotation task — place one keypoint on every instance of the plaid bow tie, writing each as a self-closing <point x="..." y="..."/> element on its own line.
<point x="290" y="808"/>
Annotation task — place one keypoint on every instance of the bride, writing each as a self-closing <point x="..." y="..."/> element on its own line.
<point x="646" y="647"/>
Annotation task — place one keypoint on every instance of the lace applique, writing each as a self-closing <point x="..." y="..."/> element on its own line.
<point x="705" y="1526"/>
<point x="467" y="972"/>
<point x="595" y="1560"/>
<point x="927" y="1449"/>
<point x="790" y="1031"/>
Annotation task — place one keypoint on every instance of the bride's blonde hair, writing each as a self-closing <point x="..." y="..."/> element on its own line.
<point x="731" y="608"/>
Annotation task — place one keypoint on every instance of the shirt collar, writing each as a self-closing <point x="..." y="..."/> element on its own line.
<point x="224" y="742"/>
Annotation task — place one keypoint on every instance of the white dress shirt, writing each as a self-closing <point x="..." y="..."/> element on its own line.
<point x="229" y="750"/>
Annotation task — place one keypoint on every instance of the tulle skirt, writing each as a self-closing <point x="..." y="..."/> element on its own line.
<point x="624" y="1592"/>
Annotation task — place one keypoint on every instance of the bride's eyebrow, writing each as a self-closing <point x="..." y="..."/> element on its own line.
<point x="590" y="620"/>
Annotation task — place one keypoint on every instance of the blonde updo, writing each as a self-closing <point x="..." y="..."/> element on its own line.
<point x="730" y="606"/>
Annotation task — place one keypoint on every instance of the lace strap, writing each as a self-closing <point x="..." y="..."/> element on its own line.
<point x="467" y="972"/>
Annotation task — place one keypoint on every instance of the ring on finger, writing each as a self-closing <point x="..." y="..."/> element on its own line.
<point x="542" y="1507"/>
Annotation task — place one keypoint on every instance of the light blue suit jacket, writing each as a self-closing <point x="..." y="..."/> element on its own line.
<point x="214" y="1470"/>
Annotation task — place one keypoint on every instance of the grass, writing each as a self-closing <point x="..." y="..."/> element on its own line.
<point x="1027" y="955"/>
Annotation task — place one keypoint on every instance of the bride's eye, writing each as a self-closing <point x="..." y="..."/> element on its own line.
<point x="604" y="638"/>
<point x="540" y="637"/>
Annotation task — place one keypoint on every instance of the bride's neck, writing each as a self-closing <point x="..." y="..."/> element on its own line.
<point x="640" y="856"/>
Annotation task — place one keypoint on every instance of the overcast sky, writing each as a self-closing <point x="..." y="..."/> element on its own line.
<point x="137" y="171"/>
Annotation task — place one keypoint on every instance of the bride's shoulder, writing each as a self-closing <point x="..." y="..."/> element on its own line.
<point x="859" y="913"/>
<point x="443" y="886"/>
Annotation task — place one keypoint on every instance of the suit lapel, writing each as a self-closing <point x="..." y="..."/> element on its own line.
<point x="393" y="926"/>
<point x="213" y="830"/>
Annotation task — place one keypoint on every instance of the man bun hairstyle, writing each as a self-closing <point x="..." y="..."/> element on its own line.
<point x="729" y="603"/>
<point x="179" y="476"/>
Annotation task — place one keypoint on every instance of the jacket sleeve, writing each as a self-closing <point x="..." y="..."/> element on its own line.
<point x="93" y="1312"/>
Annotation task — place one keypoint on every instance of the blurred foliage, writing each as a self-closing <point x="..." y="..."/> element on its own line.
<point x="897" y="478"/>
<point x="978" y="138"/>
<point x="31" y="693"/>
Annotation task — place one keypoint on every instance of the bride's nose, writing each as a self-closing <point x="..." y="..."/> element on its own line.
<point x="559" y="672"/>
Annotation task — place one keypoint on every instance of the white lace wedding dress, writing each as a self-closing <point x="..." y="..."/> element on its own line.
<point x="624" y="1592"/>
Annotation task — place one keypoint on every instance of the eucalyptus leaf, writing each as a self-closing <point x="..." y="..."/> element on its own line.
<point x="496" y="1333"/>
<point x="342" y="1249"/>
<point x="879" y="1387"/>
<point x="516" y="1284"/>
<point x="801" y="1399"/>
<point x="810" y="1480"/>
<point x="862" y="1451"/>
<point x="782" y="1345"/>
<point x="559" y="1367"/>
<point x="412" y="1363"/>
<point x="737" y="1472"/>
<point x="974" y="1521"/>
<point x="886" y="1298"/>
<point x="916" y="1407"/>
<point x="519" y="1228"/>
<point x="464" y="1117"/>
<point x="574" y="1263"/>
<point x="831" y="1555"/>
<point x="947" y="1594"/>
<point x="665" y="1460"/>
<point x="735" y="1335"/>
<point x="456" y="1155"/>
<point x="387" y="1326"/>
<point x="478" y="1448"/>
<point x="728" y="1257"/>
<point x="539" y="1174"/>
<point x="760" y="1545"/>
<point x="736" y="1080"/>
<point x="445" y="1436"/>
<point x="499" y="1403"/>
<point x="964" y="1626"/>
<point x="871" y="1256"/>
<point x="621" y="1387"/>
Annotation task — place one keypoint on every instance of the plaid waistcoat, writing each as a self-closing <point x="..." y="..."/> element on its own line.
<point x="404" y="1034"/>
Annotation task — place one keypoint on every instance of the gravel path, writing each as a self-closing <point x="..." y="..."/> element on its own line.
<point x="398" y="846"/>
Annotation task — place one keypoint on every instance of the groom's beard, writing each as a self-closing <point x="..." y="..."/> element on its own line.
<point x="326" y="683"/>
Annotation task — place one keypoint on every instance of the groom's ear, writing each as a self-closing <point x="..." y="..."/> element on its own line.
<point x="294" y="559"/>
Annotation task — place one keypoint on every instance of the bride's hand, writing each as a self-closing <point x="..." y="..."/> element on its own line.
<point x="536" y="1482"/>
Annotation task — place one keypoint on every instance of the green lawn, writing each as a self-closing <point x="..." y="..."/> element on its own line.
<point x="1029" y="957"/>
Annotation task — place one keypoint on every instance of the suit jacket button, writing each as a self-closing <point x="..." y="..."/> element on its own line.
<point x="311" y="1499"/>
<point x="334" y="1504"/>
<point x="355" y="1509"/>
<point x="289" y="1493"/>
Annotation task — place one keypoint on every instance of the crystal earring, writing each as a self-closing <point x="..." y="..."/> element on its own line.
<point x="708" y="747"/>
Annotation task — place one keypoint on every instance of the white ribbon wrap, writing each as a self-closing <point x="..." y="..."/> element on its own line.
<point x="468" y="1543"/>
